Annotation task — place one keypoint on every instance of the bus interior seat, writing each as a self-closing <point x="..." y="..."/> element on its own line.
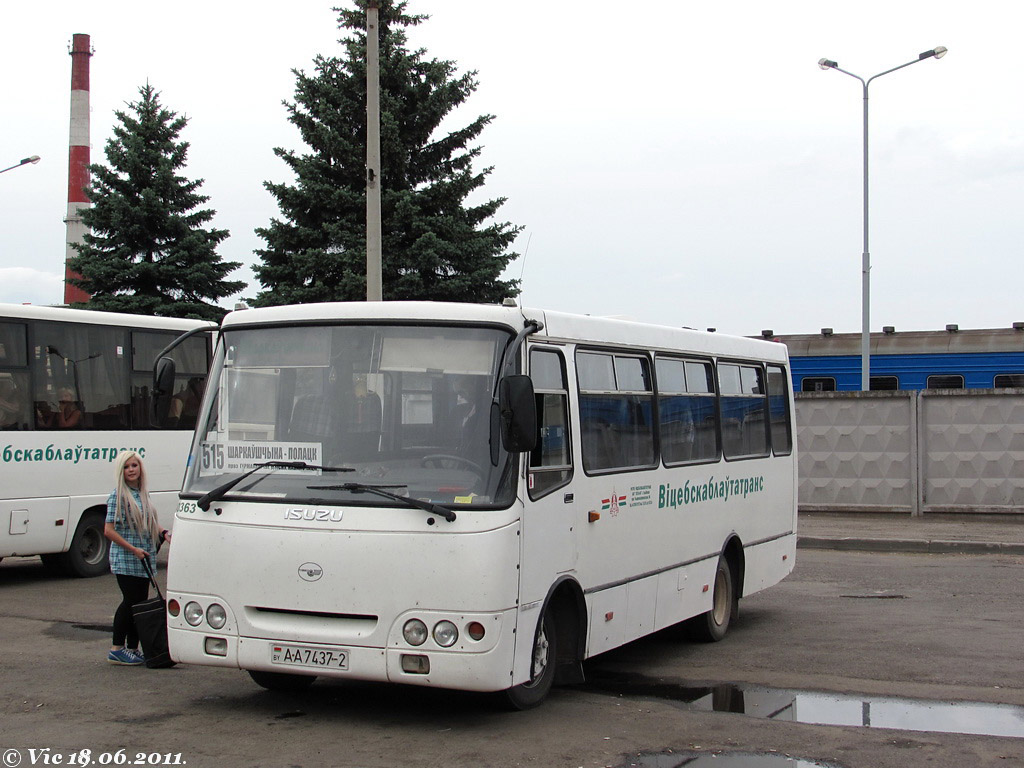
<point x="311" y="420"/>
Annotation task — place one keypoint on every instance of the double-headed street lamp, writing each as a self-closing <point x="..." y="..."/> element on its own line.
<point x="865" y="344"/>
<point x="33" y="160"/>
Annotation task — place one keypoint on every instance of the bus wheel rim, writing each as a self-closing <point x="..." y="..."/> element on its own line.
<point x="92" y="546"/>
<point x="540" y="656"/>
<point x="721" y="599"/>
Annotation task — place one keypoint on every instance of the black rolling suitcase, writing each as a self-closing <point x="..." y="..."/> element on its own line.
<point x="151" y="624"/>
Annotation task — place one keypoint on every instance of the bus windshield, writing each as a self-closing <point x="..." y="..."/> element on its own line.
<point x="402" y="408"/>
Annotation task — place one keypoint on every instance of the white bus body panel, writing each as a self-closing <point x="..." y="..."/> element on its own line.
<point x="33" y="465"/>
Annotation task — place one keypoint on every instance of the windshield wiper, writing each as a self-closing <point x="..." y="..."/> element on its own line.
<point x="208" y="498"/>
<point x="427" y="506"/>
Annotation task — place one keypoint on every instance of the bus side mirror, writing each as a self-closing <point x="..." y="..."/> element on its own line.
<point x="163" y="387"/>
<point x="518" y="412"/>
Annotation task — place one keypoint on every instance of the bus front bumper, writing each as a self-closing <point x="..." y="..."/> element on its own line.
<point x="490" y="670"/>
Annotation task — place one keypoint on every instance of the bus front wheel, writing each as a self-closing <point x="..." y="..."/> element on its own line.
<point x="542" y="668"/>
<point x="711" y="627"/>
<point x="280" y="681"/>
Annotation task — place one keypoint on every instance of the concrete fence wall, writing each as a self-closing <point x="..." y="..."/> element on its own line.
<point x="912" y="451"/>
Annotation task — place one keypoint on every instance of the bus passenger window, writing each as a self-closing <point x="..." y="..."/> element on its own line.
<point x="616" y="411"/>
<point x="13" y="347"/>
<point x="14" y="400"/>
<point x="81" y="379"/>
<point x="551" y="460"/>
<point x="14" y="391"/>
<point x="688" y="416"/>
<point x="778" y="407"/>
<point x="744" y="417"/>
<point x="191" y="361"/>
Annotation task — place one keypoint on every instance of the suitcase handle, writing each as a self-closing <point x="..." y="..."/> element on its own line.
<point x="152" y="578"/>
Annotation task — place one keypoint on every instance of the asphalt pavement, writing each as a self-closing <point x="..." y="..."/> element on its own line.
<point x="936" y="533"/>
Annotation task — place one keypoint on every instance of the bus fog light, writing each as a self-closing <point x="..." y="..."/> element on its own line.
<point x="475" y="630"/>
<point x="445" y="634"/>
<point x="415" y="632"/>
<point x="193" y="613"/>
<point x="415" y="665"/>
<point x="216" y="615"/>
<point x="216" y="646"/>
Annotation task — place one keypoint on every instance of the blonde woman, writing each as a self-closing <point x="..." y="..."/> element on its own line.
<point x="134" y="536"/>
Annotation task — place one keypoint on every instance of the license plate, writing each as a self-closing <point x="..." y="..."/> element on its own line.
<point x="321" y="657"/>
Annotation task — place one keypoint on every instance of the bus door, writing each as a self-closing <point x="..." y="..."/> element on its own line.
<point x="548" y="539"/>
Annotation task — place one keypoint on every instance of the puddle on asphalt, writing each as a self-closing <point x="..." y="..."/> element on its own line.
<point x="95" y="627"/>
<point x="720" y="760"/>
<point x="825" y="708"/>
<point x="80" y="632"/>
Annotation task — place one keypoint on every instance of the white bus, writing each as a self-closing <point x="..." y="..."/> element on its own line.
<point x="473" y="497"/>
<point x="75" y="390"/>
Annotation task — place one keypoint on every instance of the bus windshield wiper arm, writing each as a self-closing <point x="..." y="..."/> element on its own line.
<point x="208" y="498"/>
<point x="427" y="506"/>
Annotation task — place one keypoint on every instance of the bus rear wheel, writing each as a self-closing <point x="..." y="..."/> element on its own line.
<point x="280" y="681"/>
<point x="89" y="551"/>
<point x="712" y="626"/>
<point x="542" y="669"/>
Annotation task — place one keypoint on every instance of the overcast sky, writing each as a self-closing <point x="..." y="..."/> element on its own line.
<point x="679" y="162"/>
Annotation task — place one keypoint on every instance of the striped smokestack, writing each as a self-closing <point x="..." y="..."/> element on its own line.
<point x="78" y="159"/>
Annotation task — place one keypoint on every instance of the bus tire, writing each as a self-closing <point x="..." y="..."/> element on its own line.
<point x="531" y="693"/>
<point x="89" y="552"/>
<point x="281" y="681"/>
<point x="712" y="626"/>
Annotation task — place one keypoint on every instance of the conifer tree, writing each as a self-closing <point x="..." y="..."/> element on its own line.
<point x="147" y="250"/>
<point x="436" y="246"/>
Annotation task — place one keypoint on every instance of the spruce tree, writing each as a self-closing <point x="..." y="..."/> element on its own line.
<point x="147" y="250"/>
<point x="435" y="245"/>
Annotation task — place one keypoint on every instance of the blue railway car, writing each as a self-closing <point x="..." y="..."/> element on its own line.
<point x="949" y="359"/>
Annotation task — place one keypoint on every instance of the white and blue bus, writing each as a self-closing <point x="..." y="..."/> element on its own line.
<point x="473" y="497"/>
<point x="74" y="391"/>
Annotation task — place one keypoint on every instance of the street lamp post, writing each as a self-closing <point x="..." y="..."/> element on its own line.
<point x="865" y="343"/>
<point x="26" y="161"/>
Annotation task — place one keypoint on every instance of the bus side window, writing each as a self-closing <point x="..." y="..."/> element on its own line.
<point x="551" y="460"/>
<point x="191" y="361"/>
<point x="778" y="407"/>
<point x="15" y="399"/>
<point x="744" y="422"/>
<point x="687" y="409"/>
<point x="616" y="411"/>
<point x="81" y="376"/>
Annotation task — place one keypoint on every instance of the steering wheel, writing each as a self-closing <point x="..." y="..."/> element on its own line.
<point x="440" y="459"/>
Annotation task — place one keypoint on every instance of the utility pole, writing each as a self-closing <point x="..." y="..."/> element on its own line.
<point x="374" y="288"/>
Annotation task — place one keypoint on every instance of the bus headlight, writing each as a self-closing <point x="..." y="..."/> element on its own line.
<point x="445" y="634"/>
<point x="193" y="613"/>
<point x="216" y="616"/>
<point x="415" y="632"/>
